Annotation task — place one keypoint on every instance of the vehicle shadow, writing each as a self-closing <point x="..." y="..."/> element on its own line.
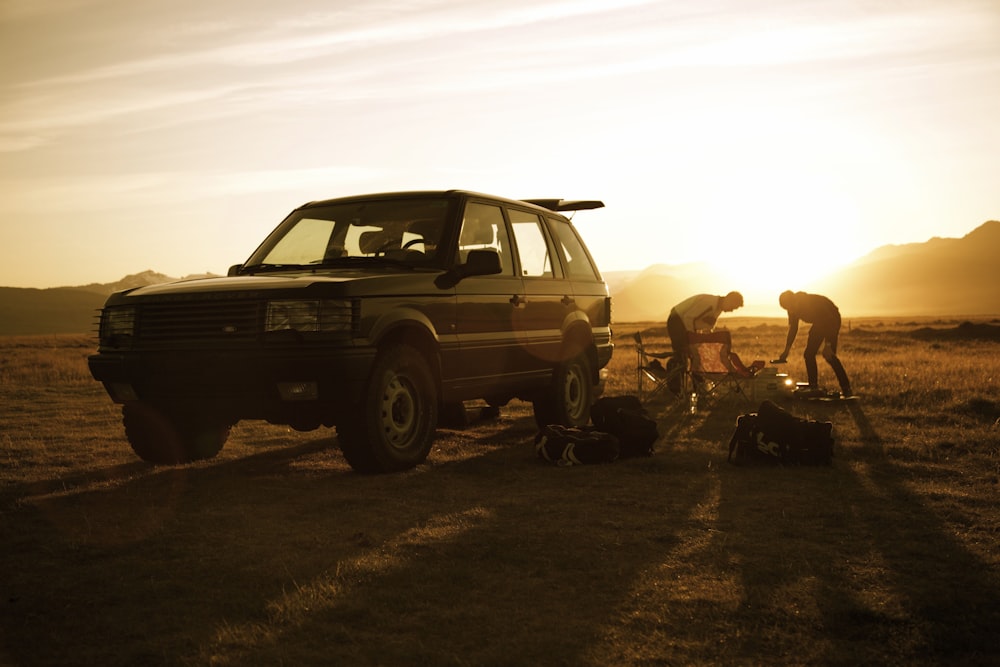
<point x="18" y="493"/>
<point x="463" y="557"/>
<point x="493" y="557"/>
<point x="13" y="494"/>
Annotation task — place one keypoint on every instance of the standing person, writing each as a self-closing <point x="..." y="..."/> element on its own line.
<point x="697" y="313"/>
<point x="825" y="319"/>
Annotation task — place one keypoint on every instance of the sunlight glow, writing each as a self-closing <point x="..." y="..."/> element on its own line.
<point x="781" y="230"/>
<point x="791" y="137"/>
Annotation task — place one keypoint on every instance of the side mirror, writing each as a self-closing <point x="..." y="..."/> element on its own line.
<point x="481" y="263"/>
<point x="478" y="263"/>
<point x="234" y="270"/>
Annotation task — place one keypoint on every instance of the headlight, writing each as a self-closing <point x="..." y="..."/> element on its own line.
<point x="118" y="322"/>
<point x="316" y="315"/>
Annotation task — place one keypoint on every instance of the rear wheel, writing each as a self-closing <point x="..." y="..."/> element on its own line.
<point x="169" y="438"/>
<point x="394" y="428"/>
<point x="568" y="400"/>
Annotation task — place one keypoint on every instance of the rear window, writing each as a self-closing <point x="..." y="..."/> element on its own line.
<point x="577" y="262"/>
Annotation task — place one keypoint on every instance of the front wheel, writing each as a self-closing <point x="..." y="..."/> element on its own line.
<point x="394" y="429"/>
<point x="170" y="438"/>
<point x="568" y="400"/>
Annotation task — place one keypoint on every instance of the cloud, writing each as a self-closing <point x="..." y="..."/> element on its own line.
<point x="13" y="11"/>
<point x="409" y="50"/>
<point x="127" y="191"/>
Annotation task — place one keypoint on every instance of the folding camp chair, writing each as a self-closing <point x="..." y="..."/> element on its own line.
<point x="717" y="370"/>
<point x="655" y="371"/>
<point x="712" y="370"/>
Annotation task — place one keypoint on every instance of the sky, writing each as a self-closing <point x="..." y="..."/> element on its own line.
<point x="775" y="139"/>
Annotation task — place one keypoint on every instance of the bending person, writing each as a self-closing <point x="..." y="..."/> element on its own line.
<point x="825" y="319"/>
<point x="697" y="313"/>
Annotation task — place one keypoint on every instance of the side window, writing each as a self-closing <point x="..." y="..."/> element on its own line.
<point x="483" y="228"/>
<point x="532" y="246"/>
<point x="578" y="264"/>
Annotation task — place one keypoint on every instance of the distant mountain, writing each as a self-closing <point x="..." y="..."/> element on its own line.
<point x="943" y="276"/>
<point x="25" y="311"/>
<point x="940" y="277"/>
<point x="44" y="311"/>
<point x="128" y="282"/>
<point x="648" y="295"/>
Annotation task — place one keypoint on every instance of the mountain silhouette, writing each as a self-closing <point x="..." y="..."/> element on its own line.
<point x="27" y="311"/>
<point x="128" y="282"/>
<point x="940" y="277"/>
<point x="943" y="276"/>
<point x="648" y="295"/>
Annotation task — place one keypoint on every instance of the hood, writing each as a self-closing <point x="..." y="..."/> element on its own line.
<point x="235" y="284"/>
<point x="305" y="283"/>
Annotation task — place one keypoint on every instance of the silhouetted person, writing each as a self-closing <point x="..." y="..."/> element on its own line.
<point x="697" y="313"/>
<point x="825" y="319"/>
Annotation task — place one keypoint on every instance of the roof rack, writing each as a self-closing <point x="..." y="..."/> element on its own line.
<point x="566" y="205"/>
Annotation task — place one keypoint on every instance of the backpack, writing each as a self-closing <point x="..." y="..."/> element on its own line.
<point x="774" y="435"/>
<point x="567" y="446"/>
<point x="626" y="419"/>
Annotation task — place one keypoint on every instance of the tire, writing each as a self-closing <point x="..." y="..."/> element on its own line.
<point x="568" y="400"/>
<point x="161" y="439"/>
<point x="203" y="437"/>
<point x="395" y="426"/>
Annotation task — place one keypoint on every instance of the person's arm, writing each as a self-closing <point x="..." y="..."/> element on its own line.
<point x="704" y="320"/>
<point x="793" y="330"/>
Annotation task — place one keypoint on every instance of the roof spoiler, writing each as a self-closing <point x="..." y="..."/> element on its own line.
<point x="564" y="205"/>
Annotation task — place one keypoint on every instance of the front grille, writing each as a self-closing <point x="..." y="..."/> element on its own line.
<point x="218" y="324"/>
<point x="232" y="321"/>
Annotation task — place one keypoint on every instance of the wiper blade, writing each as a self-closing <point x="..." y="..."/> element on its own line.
<point x="327" y="263"/>
<point x="267" y="268"/>
<point x="361" y="261"/>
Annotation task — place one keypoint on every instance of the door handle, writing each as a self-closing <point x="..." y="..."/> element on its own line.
<point x="568" y="301"/>
<point x="516" y="300"/>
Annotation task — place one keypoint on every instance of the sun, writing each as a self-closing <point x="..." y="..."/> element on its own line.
<point x="780" y="231"/>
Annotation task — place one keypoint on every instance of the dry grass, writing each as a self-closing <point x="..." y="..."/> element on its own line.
<point x="276" y="553"/>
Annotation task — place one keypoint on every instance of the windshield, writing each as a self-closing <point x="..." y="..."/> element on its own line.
<point x="404" y="231"/>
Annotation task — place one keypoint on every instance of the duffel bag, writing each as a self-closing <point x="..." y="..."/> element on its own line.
<point x="772" y="434"/>
<point x="626" y="419"/>
<point x="567" y="446"/>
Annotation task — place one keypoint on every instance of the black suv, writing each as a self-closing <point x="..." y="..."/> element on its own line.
<point x="374" y="314"/>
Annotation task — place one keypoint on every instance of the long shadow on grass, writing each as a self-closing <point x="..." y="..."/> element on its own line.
<point x="70" y="483"/>
<point x="17" y="492"/>
<point x="494" y="559"/>
<point x="847" y="565"/>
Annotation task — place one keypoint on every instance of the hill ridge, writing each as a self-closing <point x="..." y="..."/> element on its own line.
<point x="941" y="276"/>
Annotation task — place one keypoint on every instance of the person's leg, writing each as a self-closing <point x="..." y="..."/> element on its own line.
<point x="809" y="355"/>
<point x="830" y="354"/>
<point x="678" y="363"/>
<point x="678" y="337"/>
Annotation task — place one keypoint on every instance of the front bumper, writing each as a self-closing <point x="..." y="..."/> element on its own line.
<point x="245" y="384"/>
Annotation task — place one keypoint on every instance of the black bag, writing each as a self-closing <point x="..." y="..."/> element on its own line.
<point x="566" y="446"/>
<point x="625" y="418"/>
<point x="774" y="435"/>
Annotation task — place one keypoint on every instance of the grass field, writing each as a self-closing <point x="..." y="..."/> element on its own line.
<point x="276" y="553"/>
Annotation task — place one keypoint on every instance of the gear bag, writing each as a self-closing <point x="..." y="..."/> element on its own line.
<point x="567" y="446"/>
<point x="774" y="435"/>
<point x="626" y="419"/>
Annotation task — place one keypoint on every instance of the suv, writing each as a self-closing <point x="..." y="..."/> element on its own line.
<point x="374" y="314"/>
